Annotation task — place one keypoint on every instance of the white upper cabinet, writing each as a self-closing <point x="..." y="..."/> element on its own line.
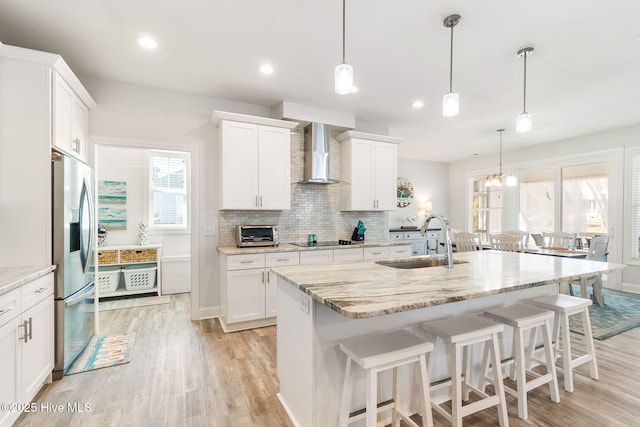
<point x="255" y="162"/>
<point x="369" y="171"/>
<point x="70" y="118"/>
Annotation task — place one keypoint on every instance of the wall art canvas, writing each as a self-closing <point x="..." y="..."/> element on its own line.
<point x="112" y="210"/>
<point x="112" y="192"/>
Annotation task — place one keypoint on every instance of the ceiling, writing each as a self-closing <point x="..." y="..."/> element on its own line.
<point x="582" y="78"/>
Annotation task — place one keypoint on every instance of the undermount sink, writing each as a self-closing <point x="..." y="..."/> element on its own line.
<point x="419" y="263"/>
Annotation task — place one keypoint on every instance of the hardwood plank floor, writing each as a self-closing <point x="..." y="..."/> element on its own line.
<point x="186" y="373"/>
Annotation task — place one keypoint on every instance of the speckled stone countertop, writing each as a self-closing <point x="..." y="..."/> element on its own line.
<point x="367" y="289"/>
<point x="14" y="277"/>
<point x="288" y="247"/>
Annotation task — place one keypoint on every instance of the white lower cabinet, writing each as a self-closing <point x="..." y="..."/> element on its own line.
<point x="26" y="344"/>
<point x="249" y="295"/>
<point x="248" y="289"/>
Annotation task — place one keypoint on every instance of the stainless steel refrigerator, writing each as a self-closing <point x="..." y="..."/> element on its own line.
<point x="74" y="229"/>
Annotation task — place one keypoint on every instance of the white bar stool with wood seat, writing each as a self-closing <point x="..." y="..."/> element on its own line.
<point x="381" y="352"/>
<point x="564" y="306"/>
<point x="521" y="318"/>
<point x="460" y="333"/>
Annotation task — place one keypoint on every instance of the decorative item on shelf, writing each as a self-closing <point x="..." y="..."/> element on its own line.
<point x="102" y="236"/>
<point x="451" y="101"/>
<point x="358" y="232"/>
<point x="143" y="234"/>
<point x="404" y="192"/>
<point x="525" y="121"/>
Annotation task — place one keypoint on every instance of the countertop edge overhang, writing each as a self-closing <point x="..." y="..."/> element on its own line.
<point x="365" y="289"/>
<point x="288" y="247"/>
<point x="14" y="277"/>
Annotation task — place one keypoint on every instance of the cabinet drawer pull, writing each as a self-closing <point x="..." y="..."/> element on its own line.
<point x="268" y="279"/>
<point x="377" y="253"/>
<point x="263" y="277"/>
<point x="41" y="290"/>
<point x="28" y="330"/>
<point x="6" y="310"/>
<point x="282" y="259"/>
<point x="247" y="262"/>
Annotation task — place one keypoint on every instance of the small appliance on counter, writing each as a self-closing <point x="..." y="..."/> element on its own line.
<point x="358" y="232"/>
<point x="257" y="235"/>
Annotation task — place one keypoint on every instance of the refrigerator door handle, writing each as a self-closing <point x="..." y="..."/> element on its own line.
<point x="86" y="208"/>
<point x="81" y="296"/>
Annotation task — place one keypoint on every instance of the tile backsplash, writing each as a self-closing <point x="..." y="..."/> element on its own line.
<point x="314" y="208"/>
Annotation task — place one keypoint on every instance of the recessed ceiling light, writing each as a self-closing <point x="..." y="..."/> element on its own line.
<point x="417" y="104"/>
<point x="147" y="42"/>
<point x="266" y="69"/>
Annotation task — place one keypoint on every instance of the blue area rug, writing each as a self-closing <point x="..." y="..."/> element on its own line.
<point x="103" y="352"/>
<point x="620" y="313"/>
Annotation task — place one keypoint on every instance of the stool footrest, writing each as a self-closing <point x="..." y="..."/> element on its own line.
<point x="382" y="406"/>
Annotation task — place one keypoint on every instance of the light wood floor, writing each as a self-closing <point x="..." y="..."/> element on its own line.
<point x="187" y="373"/>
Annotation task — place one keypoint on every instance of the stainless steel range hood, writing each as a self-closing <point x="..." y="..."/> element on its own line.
<point x="316" y="155"/>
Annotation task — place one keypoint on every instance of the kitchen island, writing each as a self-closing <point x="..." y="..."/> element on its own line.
<point x="320" y="305"/>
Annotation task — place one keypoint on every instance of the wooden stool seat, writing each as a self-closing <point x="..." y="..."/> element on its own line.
<point x="377" y="353"/>
<point x="459" y="333"/>
<point x="564" y="306"/>
<point x="521" y="318"/>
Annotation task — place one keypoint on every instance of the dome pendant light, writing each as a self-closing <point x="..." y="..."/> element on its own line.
<point x="344" y="71"/>
<point x="525" y="122"/>
<point x="495" y="180"/>
<point x="451" y="101"/>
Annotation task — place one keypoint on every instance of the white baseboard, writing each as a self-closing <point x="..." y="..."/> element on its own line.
<point x="631" y="287"/>
<point x="207" y="313"/>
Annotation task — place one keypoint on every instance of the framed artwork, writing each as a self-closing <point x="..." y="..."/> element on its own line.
<point x="112" y="200"/>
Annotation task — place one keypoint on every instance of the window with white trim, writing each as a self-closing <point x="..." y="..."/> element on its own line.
<point x="168" y="190"/>
<point x="486" y="208"/>
<point x="635" y="207"/>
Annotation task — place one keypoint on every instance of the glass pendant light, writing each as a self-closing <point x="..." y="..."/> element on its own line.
<point x="451" y="101"/>
<point x="495" y="180"/>
<point x="525" y="121"/>
<point x="344" y="71"/>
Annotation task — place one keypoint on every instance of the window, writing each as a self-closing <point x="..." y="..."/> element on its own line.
<point x="486" y="208"/>
<point x="168" y="190"/>
<point x="537" y="196"/>
<point x="635" y="206"/>
<point x="585" y="196"/>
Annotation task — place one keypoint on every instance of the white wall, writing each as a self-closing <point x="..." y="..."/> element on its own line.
<point x="430" y="182"/>
<point x="137" y="116"/>
<point x="612" y="142"/>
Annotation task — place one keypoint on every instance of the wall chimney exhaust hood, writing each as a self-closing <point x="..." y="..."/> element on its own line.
<point x="316" y="155"/>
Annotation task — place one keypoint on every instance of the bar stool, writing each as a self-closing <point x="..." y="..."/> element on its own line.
<point x="564" y="306"/>
<point x="459" y="333"/>
<point x="521" y="318"/>
<point x="377" y="353"/>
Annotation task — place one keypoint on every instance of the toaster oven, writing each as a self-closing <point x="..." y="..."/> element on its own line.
<point x="257" y="235"/>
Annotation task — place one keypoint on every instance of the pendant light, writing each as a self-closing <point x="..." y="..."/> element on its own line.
<point x="344" y="71"/>
<point x="451" y="101"/>
<point x="495" y="180"/>
<point x="524" y="122"/>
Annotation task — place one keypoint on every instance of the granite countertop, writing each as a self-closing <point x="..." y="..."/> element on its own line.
<point x="14" y="277"/>
<point x="288" y="247"/>
<point x="367" y="289"/>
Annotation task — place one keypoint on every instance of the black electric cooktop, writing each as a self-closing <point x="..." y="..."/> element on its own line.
<point x="317" y="244"/>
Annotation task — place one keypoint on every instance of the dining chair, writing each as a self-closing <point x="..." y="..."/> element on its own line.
<point x="559" y="239"/>
<point x="538" y="239"/>
<point x="597" y="252"/>
<point x="524" y="235"/>
<point x="505" y="242"/>
<point x="467" y="242"/>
